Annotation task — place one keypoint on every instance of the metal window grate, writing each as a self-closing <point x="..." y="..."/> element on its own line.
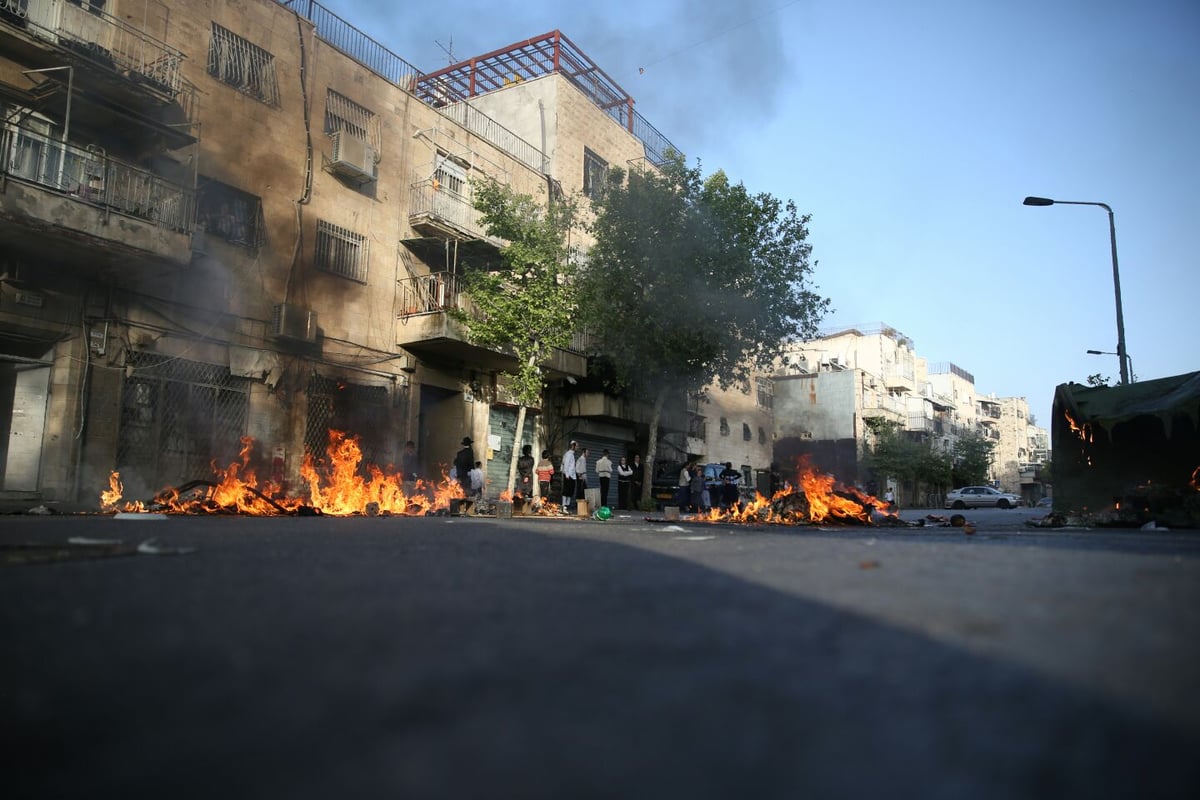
<point x="353" y="409"/>
<point x="243" y="65"/>
<point x="340" y="251"/>
<point x="343" y="114"/>
<point x="595" y="171"/>
<point x="178" y="417"/>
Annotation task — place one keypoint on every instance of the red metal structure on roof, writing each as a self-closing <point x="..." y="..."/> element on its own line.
<point x="532" y="58"/>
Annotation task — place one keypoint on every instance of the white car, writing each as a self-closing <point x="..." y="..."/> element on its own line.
<point x="981" y="497"/>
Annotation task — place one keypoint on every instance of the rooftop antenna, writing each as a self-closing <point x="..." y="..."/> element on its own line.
<point x="448" y="50"/>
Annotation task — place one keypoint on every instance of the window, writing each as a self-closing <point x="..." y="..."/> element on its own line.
<point x="449" y="175"/>
<point x="766" y="393"/>
<point x="244" y="66"/>
<point x="747" y="435"/>
<point x="230" y="214"/>
<point x="724" y="426"/>
<point x="341" y="252"/>
<point x="697" y="428"/>
<point x="762" y="436"/>
<point x="94" y="6"/>
<point x="595" y="173"/>
<point x="343" y="114"/>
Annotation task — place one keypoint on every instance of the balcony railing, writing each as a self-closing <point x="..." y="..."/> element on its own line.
<point x="445" y="208"/>
<point x="439" y="292"/>
<point x="90" y="176"/>
<point x="108" y="41"/>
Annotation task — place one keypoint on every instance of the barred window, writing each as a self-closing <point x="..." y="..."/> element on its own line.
<point x="230" y="214"/>
<point x="343" y="114"/>
<point x="341" y="252"/>
<point x="746" y="433"/>
<point x="243" y="65"/>
<point x="449" y="175"/>
<point x="595" y="172"/>
<point x="766" y="393"/>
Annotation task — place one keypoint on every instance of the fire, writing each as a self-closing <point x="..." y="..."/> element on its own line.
<point x="1084" y="432"/>
<point x="1195" y="482"/>
<point x="815" y="498"/>
<point x="335" y="486"/>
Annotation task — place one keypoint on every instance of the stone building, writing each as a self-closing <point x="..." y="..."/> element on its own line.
<point x="221" y="220"/>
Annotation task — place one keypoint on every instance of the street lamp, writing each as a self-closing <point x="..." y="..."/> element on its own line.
<point x="1122" y="354"/>
<point x="1129" y="358"/>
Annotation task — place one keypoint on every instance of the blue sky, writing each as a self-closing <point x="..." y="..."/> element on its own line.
<point x="912" y="132"/>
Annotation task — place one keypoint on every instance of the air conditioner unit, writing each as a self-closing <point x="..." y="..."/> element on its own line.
<point x="352" y="157"/>
<point x="294" y="323"/>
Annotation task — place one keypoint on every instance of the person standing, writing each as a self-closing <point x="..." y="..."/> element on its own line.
<point x="635" y="482"/>
<point x="683" y="488"/>
<point x="568" y="481"/>
<point x="545" y="471"/>
<point x="581" y="474"/>
<point x="604" y="473"/>
<point x="464" y="460"/>
<point x="624" y="474"/>
<point x="525" y="472"/>
<point x="730" y="479"/>
<point x="696" y="489"/>
<point x="476" y="481"/>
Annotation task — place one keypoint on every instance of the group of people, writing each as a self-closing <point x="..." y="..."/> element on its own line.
<point x="695" y="495"/>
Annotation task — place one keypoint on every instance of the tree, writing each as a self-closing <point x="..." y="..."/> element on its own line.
<point x="895" y="455"/>
<point x="692" y="280"/>
<point x="526" y="306"/>
<point x="972" y="458"/>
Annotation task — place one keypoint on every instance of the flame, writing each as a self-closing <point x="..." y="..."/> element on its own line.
<point x="1195" y="482"/>
<point x="1084" y="432"/>
<point x="336" y="486"/>
<point x="815" y="498"/>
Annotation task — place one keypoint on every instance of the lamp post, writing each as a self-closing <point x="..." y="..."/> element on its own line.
<point x="1129" y="358"/>
<point x="1121" y="353"/>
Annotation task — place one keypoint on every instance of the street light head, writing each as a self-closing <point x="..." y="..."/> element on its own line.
<point x="1098" y="353"/>
<point x="1038" y="201"/>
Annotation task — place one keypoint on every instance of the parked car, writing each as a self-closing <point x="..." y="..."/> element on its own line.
<point x="981" y="497"/>
<point x="1046" y="502"/>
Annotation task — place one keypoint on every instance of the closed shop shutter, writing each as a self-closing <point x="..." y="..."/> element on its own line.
<point x="597" y="445"/>
<point x="502" y="425"/>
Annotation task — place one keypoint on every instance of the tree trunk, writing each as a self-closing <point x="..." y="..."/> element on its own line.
<point x="652" y="444"/>
<point x="516" y="452"/>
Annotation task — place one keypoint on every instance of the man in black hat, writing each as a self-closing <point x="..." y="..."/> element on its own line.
<point x="464" y="461"/>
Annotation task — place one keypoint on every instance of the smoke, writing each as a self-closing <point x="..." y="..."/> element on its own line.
<point x="697" y="72"/>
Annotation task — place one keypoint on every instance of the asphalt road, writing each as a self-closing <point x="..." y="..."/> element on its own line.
<point x="449" y="657"/>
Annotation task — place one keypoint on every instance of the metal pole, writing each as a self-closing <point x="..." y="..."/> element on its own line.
<point x="1121" y="354"/>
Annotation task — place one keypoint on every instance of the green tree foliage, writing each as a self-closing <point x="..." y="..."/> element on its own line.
<point x="526" y="306"/>
<point x="693" y="280"/>
<point x="894" y="455"/>
<point x="972" y="458"/>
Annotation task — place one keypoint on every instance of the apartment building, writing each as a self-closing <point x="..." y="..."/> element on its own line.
<point x="832" y="384"/>
<point x="251" y="219"/>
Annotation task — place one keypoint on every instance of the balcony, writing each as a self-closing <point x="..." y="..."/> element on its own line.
<point x="63" y="197"/>
<point x="437" y="211"/>
<point x="114" y="64"/>
<point x="428" y="330"/>
<point x="900" y="377"/>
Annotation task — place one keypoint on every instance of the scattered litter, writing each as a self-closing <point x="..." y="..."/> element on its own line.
<point x="1153" y="526"/>
<point x="868" y="565"/>
<point x="87" y="540"/>
<point x="693" y="538"/>
<point x="674" y="528"/>
<point x="968" y="528"/>
<point x="137" y="515"/>
<point x="957" y="520"/>
<point x="40" y="510"/>
<point x="151" y="547"/>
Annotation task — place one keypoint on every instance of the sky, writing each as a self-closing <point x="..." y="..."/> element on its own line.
<point x="911" y="132"/>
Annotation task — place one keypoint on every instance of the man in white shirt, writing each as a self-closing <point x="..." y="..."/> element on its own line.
<point x="568" y="482"/>
<point x="604" y="471"/>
